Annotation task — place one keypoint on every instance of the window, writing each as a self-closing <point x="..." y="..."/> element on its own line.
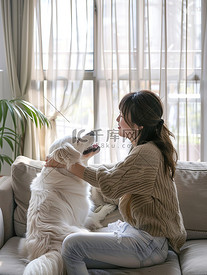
<point x="182" y="99"/>
<point x="173" y="29"/>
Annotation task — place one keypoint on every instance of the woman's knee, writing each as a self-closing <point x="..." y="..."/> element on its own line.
<point x="70" y="244"/>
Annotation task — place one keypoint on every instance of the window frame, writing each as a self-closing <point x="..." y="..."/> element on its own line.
<point x="154" y="75"/>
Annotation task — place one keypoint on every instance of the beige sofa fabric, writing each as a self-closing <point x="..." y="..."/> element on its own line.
<point x="11" y="262"/>
<point x="1" y="229"/>
<point x="169" y="267"/>
<point x="191" y="180"/>
<point x="7" y="205"/>
<point x="24" y="171"/>
<point x="193" y="258"/>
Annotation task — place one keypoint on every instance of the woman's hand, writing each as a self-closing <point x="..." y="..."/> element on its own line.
<point x="76" y="169"/>
<point x="50" y="162"/>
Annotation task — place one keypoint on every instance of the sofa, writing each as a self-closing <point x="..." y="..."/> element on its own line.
<point x="191" y="182"/>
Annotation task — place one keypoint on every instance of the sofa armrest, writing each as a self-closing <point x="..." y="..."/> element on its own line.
<point x="1" y="229"/>
<point x="7" y="206"/>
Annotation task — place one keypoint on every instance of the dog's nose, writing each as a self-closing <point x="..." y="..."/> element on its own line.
<point x="91" y="133"/>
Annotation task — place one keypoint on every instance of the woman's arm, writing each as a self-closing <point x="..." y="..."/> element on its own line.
<point x="77" y="169"/>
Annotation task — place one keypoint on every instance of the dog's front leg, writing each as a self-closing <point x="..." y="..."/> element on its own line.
<point x="94" y="219"/>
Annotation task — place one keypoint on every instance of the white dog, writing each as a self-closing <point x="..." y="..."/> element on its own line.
<point x="59" y="205"/>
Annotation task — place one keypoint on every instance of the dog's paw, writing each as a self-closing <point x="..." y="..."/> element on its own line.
<point x="94" y="221"/>
<point x="105" y="210"/>
<point x="108" y="208"/>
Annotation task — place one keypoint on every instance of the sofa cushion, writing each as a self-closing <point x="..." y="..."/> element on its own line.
<point x="193" y="257"/>
<point x="169" y="267"/>
<point x="11" y="262"/>
<point x="24" y="171"/>
<point x="191" y="182"/>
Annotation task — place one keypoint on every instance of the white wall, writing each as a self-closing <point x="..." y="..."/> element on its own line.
<point x="5" y="90"/>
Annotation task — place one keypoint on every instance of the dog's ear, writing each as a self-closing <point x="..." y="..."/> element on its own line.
<point x="66" y="154"/>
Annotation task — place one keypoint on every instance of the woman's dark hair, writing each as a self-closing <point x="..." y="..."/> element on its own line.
<point x="144" y="108"/>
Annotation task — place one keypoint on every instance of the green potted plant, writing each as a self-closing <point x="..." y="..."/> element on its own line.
<point x="19" y="111"/>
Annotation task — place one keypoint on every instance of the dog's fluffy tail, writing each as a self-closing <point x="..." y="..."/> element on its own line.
<point x="50" y="263"/>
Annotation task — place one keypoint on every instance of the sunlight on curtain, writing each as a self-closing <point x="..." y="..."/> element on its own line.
<point x="119" y="51"/>
<point x="88" y="54"/>
<point x="182" y="74"/>
<point x="152" y="45"/>
<point x="60" y="60"/>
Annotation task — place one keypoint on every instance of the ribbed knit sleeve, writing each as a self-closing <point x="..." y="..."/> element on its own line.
<point x="90" y="173"/>
<point x="90" y="176"/>
<point x="136" y="174"/>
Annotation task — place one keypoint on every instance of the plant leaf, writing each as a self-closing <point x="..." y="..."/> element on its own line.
<point x="20" y="111"/>
<point x="9" y="130"/>
<point x="4" y="110"/>
<point x="20" y="117"/>
<point x="37" y="115"/>
<point x="12" y="113"/>
<point x="1" y="110"/>
<point x="29" y="111"/>
<point x="6" y="159"/>
<point x="9" y="140"/>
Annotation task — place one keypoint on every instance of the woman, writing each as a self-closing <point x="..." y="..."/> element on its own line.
<point x="144" y="185"/>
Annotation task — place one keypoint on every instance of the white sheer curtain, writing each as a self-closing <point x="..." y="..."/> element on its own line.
<point x="146" y="44"/>
<point x="150" y="44"/>
<point x="59" y="58"/>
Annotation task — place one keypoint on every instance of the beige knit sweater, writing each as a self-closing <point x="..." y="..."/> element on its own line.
<point x="147" y="196"/>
